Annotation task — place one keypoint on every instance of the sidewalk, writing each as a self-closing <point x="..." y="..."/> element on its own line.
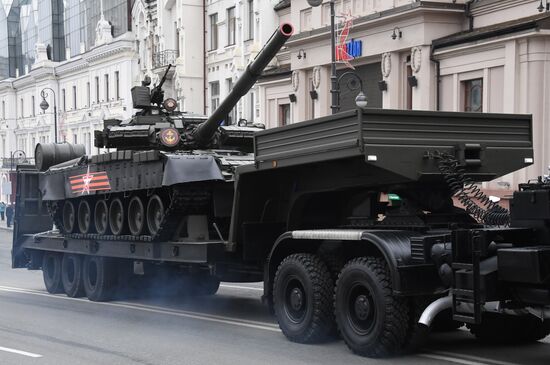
<point x="4" y="227"/>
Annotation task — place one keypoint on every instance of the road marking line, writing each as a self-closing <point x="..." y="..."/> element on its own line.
<point x="19" y="352"/>
<point x="451" y="359"/>
<point x="472" y="358"/>
<point x="153" y="309"/>
<point x="230" y="286"/>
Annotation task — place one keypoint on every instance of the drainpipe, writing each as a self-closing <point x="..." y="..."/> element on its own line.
<point x="437" y="79"/>
<point x="204" y="53"/>
<point x="469" y="15"/>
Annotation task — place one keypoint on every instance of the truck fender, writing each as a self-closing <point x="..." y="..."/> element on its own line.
<point x="392" y="245"/>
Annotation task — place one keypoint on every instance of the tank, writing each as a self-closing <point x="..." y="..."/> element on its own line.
<point x="166" y="175"/>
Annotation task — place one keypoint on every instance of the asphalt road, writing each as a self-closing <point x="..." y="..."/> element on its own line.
<point x="232" y="327"/>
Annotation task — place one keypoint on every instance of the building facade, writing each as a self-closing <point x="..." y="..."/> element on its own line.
<point x="172" y="32"/>
<point x="235" y="33"/>
<point x="483" y="55"/>
<point x="67" y="28"/>
<point x="85" y="89"/>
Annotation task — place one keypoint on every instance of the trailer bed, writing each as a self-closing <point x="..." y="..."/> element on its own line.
<point x="401" y="141"/>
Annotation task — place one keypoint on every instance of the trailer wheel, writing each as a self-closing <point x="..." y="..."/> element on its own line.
<point x="71" y="275"/>
<point x="371" y="320"/>
<point x="51" y="272"/>
<point x="302" y="294"/>
<point x="506" y="329"/>
<point x="99" y="278"/>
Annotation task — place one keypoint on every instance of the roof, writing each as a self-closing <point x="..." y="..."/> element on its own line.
<point x="283" y="4"/>
<point x="536" y="22"/>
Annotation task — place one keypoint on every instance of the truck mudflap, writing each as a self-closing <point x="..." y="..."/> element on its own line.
<point x="31" y="214"/>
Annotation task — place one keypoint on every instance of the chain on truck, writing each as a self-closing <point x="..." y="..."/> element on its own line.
<point x="301" y="208"/>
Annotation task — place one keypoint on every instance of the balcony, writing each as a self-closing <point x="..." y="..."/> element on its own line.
<point x="11" y="163"/>
<point x="164" y="58"/>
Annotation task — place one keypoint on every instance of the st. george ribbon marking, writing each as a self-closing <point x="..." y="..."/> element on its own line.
<point x="89" y="182"/>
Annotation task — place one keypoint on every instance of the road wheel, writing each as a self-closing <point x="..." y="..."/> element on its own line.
<point x="117" y="218"/>
<point x="506" y="329"/>
<point x="71" y="275"/>
<point x="155" y="214"/>
<point x="85" y="218"/>
<point x="51" y="271"/>
<point x="101" y="217"/>
<point x="302" y="296"/>
<point x="68" y="217"/>
<point x="136" y="216"/>
<point x="99" y="278"/>
<point x="371" y="320"/>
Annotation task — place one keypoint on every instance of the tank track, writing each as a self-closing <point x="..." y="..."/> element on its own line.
<point x="182" y="202"/>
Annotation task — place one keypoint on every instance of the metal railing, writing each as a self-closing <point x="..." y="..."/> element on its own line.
<point x="164" y="58"/>
<point x="11" y="163"/>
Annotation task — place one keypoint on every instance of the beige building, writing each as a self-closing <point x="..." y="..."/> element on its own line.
<point x="484" y="55"/>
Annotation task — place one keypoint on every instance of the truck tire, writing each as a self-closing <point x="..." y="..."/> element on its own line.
<point x="302" y="298"/>
<point x="51" y="272"/>
<point x="506" y="329"/>
<point x="371" y="320"/>
<point x="99" y="278"/>
<point x="71" y="275"/>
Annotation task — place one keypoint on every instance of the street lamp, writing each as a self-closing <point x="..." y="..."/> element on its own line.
<point x="21" y="155"/>
<point x="44" y="106"/>
<point x="353" y="83"/>
<point x="333" y="79"/>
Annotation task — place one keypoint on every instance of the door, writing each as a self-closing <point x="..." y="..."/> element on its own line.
<point x="31" y="214"/>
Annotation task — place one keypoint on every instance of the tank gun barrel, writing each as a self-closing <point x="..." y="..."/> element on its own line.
<point x="206" y="130"/>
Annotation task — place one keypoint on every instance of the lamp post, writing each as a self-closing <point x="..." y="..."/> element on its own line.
<point x="333" y="78"/>
<point x="360" y="100"/>
<point x="13" y="154"/>
<point x="44" y="106"/>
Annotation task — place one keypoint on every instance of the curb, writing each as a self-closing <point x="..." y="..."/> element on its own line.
<point x="2" y="228"/>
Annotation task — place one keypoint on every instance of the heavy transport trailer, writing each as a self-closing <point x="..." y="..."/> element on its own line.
<point x="308" y="218"/>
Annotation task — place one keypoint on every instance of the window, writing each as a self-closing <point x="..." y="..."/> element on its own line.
<point x="232" y="117"/>
<point x="305" y="19"/>
<point x="88" y="95"/>
<point x="177" y="39"/>
<point x="97" y="89"/>
<point x="214" y="95"/>
<point x="250" y="19"/>
<point x="106" y="87"/>
<point x="75" y="139"/>
<point x="33" y="107"/>
<point x="284" y="114"/>
<point x="473" y="95"/>
<point x="117" y="85"/>
<point x="252" y="108"/>
<point x="63" y="100"/>
<point x="3" y="109"/>
<point x="74" y="97"/>
<point x="214" y="31"/>
<point x="231" y="26"/>
<point x="22" y="109"/>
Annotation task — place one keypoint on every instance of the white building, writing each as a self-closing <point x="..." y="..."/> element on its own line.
<point x="172" y="32"/>
<point x="490" y="56"/>
<point x="236" y="32"/>
<point x="88" y="88"/>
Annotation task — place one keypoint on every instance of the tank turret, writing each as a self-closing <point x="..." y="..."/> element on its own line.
<point x="158" y="125"/>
